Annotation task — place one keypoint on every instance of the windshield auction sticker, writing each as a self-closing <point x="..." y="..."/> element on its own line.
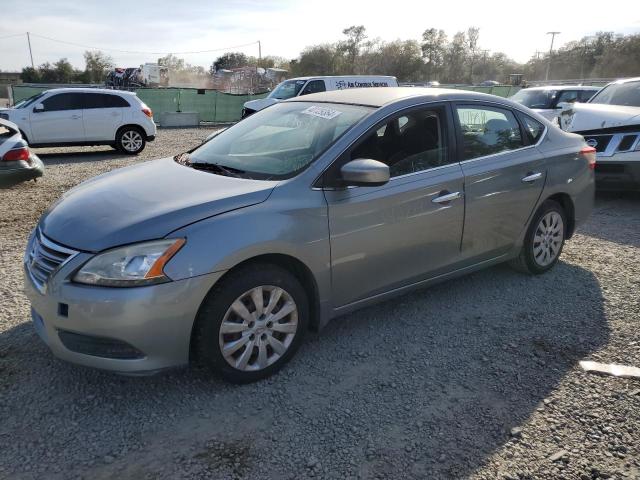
<point x="322" y="112"/>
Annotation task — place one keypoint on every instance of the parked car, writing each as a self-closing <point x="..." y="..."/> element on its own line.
<point x="297" y="87"/>
<point x="610" y="122"/>
<point x="305" y="211"/>
<point x="84" y="116"/>
<point x="548" y="100"/>
<point x="17" y="162"/>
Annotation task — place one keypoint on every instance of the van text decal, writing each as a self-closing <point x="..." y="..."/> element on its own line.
<point x="342" y="84"/>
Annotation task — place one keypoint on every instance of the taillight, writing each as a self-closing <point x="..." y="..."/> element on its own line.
<point x="590" y="154"/>
<point x="147" y="111"/>
<point x="17" y="154"/>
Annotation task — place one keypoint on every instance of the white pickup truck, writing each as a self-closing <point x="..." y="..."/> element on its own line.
<point x="296" y="87"/>
<point x="610" y="122"/>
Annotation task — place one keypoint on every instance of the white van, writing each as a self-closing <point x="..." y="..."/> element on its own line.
<point x="296" y="87"/>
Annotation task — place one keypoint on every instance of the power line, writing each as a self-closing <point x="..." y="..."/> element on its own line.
<point x="140" y="52"/>
<point x="14" y="35"/>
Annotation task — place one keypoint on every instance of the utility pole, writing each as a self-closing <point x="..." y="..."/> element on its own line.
<point x="259" y="52"/>
<point x="553" y="36"/>
<point x="30" y="52"/>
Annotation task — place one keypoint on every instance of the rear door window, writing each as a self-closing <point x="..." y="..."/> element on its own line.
<point x="104" y="100"/>
<point x="5" y="133"/>
<point x="64" y="101"/>
<point x="487" y="130"/>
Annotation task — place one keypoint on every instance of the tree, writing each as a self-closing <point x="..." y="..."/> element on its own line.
<point x="355" y="36"/>
<point x="97" y="64"/>
<point x="317" y="60"/>
<point x="455" y="58"/>
<point x="174" y="63"/>
<point x="434" y="45"/>
<point x="229" y="61"/>
<point x="400" y="58"/>
<point x="473" y="34"/>
<point x="30" y="75"/>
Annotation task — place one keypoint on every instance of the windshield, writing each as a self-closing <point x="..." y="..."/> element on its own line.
<point x="28" y="101"/>
<point x="535" y="98"/>
<point x="288" y="89"/>
<point x="278" y="141"/>
<point x="619" y="94"/>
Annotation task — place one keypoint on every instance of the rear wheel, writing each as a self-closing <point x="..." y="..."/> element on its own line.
<point x="252" y="323"/>
<point x="544" y="240"/>
<point x="130" y="140"/>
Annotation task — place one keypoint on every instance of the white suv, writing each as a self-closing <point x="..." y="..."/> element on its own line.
<point x="84" y="116"/>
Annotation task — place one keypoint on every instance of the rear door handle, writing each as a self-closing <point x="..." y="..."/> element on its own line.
<point x="532" y="177"/>
<point x="76" y="117"/>
<point x="446" y="197"/>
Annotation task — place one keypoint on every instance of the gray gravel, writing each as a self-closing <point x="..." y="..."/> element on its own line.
<point x="476" y="377"/>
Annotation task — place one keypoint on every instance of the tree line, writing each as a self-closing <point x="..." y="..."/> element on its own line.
<point x="435" y="57"/>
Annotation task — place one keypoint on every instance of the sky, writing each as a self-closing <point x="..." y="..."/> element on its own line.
<point x="285" y="27"/>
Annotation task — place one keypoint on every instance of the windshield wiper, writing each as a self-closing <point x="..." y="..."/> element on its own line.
<point x="216" y="167"/>
<point x="185" y="159"/>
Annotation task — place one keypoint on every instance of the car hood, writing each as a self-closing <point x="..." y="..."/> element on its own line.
<point x="145" y="202"/>
<point x="581" y="117"/>
<point x="260" y="103"/>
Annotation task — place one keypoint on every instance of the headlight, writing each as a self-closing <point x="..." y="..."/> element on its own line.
<point x="130" y="266"/>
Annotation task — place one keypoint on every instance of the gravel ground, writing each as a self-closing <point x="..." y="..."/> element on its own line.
<point x="474" y="378"/>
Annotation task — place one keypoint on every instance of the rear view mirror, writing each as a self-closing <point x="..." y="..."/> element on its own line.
<point x="39" y="107"/>
<point x="364" y="173"/>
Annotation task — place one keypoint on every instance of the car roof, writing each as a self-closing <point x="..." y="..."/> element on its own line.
<point x="625" y="80"/>
<point x="379" y="96"/>
<point x="88" y="90"/>
<point x="339" y="76"/>
<point x="564" y="87"/>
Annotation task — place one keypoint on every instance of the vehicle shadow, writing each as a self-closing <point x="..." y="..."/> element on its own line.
<point x="424" y="386"/>
<point x="615" y="218"/>
<point x="61" y="158"/>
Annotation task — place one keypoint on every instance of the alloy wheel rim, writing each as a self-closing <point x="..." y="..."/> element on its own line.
<point x="547" y="240"/>
<point x="131" y="140"/>
<point x="258" y="328"/>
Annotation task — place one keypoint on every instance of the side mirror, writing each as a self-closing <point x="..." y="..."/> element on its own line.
<point x="364" y="173"/>
<point x="39" y="107"/>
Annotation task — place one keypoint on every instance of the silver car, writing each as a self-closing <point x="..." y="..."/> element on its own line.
<point x="305" y="211"/>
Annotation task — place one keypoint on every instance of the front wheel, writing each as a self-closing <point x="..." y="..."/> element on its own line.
<point x="252" y="323"/>
<point x="130" y="140"/>
<point x="544" y="240"/>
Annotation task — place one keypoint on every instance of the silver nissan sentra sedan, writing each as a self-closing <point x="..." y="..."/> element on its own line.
<point x="300" y="213"/>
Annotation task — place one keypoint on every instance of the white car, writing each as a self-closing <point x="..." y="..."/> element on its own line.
<point x="297" y="87"/>
<point x="610" y="122"/>
<point x="84" y="116"/>
<point x="17" y="162"/>
<point x="548" y="100"/>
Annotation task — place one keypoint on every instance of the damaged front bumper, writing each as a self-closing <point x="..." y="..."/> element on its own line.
<point x="618" y="159"/>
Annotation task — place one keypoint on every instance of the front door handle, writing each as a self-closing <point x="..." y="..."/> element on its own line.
<point x="532" y="177"/>
<point x="446" y="197"/>
<point x="76" y="117"/>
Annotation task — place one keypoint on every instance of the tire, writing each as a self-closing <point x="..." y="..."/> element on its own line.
<point x="246" y="351"/>
<point x="544" y="240"/>
<point x="130" y="140"/>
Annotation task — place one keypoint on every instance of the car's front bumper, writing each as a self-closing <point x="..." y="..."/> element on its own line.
<point x="618" y="172"/>
<point x="155" y="321"/>
<point x="16" y="172"/>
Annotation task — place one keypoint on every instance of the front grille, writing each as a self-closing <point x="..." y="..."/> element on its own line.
<point x="601" y="141"/>
<point x="99" y="346"/>
<point x="44" y="258"/>
<point x="609" y="144"/>
<point x="627" y="143"/>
